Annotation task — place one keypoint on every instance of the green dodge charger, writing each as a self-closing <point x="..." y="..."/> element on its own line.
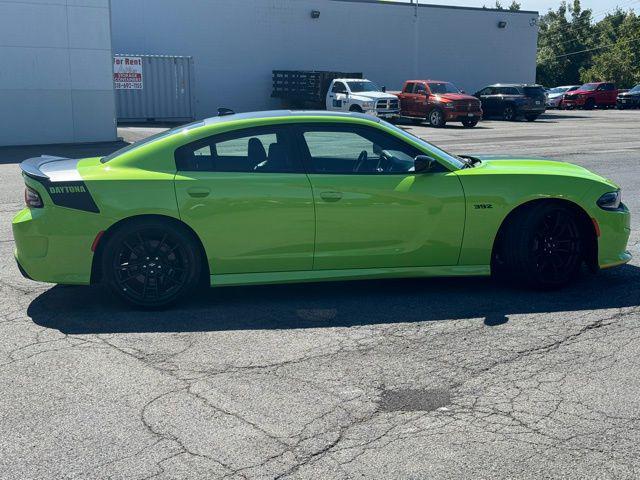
<point x="275" y="197"/>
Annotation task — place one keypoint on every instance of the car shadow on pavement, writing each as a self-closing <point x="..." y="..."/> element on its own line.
<point x="88" y="310"/>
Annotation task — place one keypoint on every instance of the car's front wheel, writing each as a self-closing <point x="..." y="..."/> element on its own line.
<point x="436" y="118"/>
<point x="543" y="246"/>
<point x="151" y="263"/>
<point x="469" y="123"/>
<point x="509" y="113"/>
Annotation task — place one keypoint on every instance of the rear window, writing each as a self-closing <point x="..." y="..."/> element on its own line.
<point x="534" y="91"/>
<point x="153" y="138"/>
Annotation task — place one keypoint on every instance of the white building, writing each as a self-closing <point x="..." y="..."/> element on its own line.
<point x="236" y="44"/>
<point x="55" y="72"/>
<point x="56" y="83"/>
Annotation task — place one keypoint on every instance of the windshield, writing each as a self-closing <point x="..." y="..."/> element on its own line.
<point x="153" y="138"/>
<point x="364" y="86"/>
<point x="453" y="160"/>
<point x="533" y="91"/>
<point x="589" y="87"/>
<point x="443" y="87"/>
<point x="558" y="90"/>
<point x="635" y="89"/>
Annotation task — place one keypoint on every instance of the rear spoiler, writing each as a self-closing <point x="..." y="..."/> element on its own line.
<point x="62" y="181"/>
<point x="51" y="169"/>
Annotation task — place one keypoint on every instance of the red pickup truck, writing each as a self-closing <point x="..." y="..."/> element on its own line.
<point x="591" y="95"/>
<point x="438" y="102"/>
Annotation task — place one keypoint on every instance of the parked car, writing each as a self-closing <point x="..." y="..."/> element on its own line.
<point x="335" y="91"/>
<point x="629" y="99"/>
<point x="592" y="95"/>
<point x="438" y="102"/>
<point x="283" y="197"/>
<point x="362" y="96"/>
<point x="511" y="101"/>
<point x="555" y="96"/>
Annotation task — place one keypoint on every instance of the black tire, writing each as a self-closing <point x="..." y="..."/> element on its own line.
<point x="531" y="118"/>
<point x="469" y="123"/>
<point x="590" y="104"/>
<point x="151" y="264"/>
<point x="509" y="113"/>
<point x="436" y="118"/>
<point x="542" y="246"/>
<point x="355" y="109"/>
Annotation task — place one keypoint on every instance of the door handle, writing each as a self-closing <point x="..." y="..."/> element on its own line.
<point x="199" y="192"/>
<point x="331" y="196"/>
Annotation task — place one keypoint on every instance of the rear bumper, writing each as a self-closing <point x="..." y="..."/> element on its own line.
<point x="53" y="248"/>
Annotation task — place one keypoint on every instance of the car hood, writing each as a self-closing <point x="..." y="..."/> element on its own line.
<point x="629" y="94"/>
<point x="581" y="92"/>
<point x="456" y="96"/>
<point x="552" y="96"/>
<point x="515" y="165"/>
<point x="373" y="96"/>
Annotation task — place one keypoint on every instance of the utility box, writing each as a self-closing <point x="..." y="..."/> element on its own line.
<point x="153" y="88"/>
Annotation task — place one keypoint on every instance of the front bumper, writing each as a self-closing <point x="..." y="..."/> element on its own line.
<point x="554" y="102"/>
<point x="628" y="102"/>
<point x="384" y="113"/>
<point x="615" y="230"/>
<point x="460" y="115"/>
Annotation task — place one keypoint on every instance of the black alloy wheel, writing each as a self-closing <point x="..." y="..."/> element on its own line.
<point x="151" y="265"/>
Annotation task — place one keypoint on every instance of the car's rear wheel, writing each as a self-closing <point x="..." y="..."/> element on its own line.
<point x="469" y="123"/>
<point x="151" y="264"/>
<point x="436" y="118"/>
<point x="543" y="246"/>
<point x="509" y="113"/>
<point x="531" y="118"/>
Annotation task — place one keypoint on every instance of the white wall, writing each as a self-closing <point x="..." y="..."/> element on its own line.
<point x="237" y="43"/>
<point x="55" y="72"/>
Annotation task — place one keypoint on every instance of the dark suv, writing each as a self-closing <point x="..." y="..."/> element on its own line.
<point x="630" y="99"/>
<point x="513" y="100"/>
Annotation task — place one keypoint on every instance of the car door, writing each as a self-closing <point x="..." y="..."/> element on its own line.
<point x="372" y="210"/>
<point x="247" y="197"/>
<point x="407" y="102"/>
<point x="338" y="98"/>
<point x="420" y="100"/>
<point x="489" y="98"/>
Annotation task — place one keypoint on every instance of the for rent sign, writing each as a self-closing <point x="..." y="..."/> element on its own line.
<point x="127" y="73"/>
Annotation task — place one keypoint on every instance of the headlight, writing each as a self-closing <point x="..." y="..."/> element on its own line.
<point x="610" y="201"/>
<point x="449" y="105"/>
<point x="368" y="105"/>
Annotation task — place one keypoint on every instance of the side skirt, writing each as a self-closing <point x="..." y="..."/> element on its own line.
<point x="227" y="280"/>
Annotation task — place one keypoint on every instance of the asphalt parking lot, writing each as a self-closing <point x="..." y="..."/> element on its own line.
<point x="406" y="379"/>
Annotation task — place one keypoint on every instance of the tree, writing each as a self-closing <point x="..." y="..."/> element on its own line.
<point x="515" y="6"/>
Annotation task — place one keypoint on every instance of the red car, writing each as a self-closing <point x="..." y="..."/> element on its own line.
<point x="592" y="95"/>
<point x="438" y="102"/>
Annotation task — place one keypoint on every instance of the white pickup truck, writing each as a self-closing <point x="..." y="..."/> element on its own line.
<point x="363" y="96"/>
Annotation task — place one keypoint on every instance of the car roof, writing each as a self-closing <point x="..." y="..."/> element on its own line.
<point x="284" y="114"/>
<point x="351" y="80"/>
<point x="515" y="85"/>
<point x="429" y="80"/>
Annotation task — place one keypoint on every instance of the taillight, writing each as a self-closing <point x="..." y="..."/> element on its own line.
<point x="32" y="198"/>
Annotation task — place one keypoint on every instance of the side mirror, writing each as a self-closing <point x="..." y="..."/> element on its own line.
<point x="462" y="91"/>
<point x="384" y="89"/>
<point x="423" y="164"/>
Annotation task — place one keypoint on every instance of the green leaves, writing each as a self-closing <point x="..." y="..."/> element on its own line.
<point x="573" y="49"/>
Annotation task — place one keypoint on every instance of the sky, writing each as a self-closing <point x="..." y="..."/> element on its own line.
<point x="599" y="7"/>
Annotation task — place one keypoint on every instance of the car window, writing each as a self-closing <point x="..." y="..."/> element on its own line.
<point x="509" y="91"/>
<point x="409" y="87"/>
<point x="420" y="88"/>
<point x="259" y="150"/>
<point x="350" y="149"/>
<point x="487" y="91"/>
<point x="339" y="87"/>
